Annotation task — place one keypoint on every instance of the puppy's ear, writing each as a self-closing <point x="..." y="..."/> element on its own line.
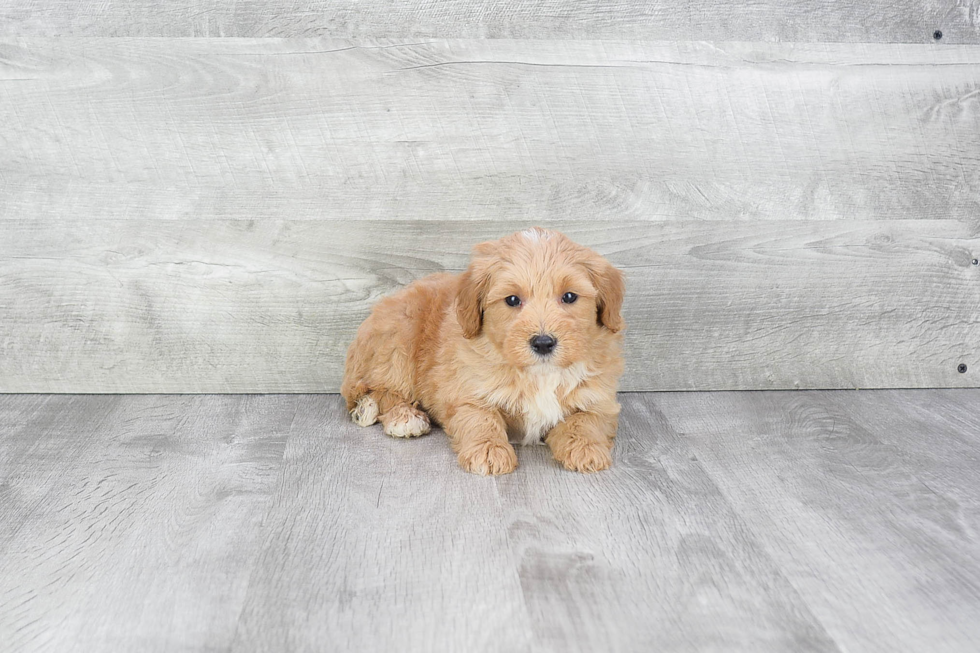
<point x="610" y="285"/>
<point x="472" y="290"/>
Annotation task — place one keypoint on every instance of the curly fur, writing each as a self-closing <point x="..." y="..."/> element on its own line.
<point x="448" y="348"/>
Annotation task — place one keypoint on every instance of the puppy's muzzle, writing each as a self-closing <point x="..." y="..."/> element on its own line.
<point x="543" y="344"/>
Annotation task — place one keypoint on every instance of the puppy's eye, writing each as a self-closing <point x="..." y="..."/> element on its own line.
<point x="569" y="298"/>
<point x="513" y="300"/>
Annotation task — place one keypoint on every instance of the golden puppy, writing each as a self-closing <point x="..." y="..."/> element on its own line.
<point x="526" y="341"/>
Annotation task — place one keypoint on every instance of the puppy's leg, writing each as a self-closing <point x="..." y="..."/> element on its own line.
<point x="583" y="442"/>
<point x="399" y="418"/>
<point x="365" y="411"/>
<point x="479" y="438"/>
<point x="405" y="421"/>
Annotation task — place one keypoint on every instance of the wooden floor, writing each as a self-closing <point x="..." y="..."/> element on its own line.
<point x="754" y="521"/>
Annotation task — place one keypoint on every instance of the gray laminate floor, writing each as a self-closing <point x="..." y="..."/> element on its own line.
<point x="755" y="521"/>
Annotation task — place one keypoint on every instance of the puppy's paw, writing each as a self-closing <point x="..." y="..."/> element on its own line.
<point x="365" y="413"/>
<point x="488" y="457"/>
<point x="581" y="455"/>
<point x="405" y="422"/>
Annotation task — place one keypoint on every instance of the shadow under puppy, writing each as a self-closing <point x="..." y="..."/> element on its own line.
<point x="526" y="341"/>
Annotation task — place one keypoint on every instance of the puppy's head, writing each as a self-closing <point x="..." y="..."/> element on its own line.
<point x="539" y="298"/>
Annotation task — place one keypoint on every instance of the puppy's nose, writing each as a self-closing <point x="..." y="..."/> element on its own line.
<point x="543" y="343"/>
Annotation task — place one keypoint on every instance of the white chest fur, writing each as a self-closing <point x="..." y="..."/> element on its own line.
<point x="540" y="409"/>
<point x="535" y="403"/>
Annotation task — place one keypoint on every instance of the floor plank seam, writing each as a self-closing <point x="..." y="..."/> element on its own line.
<point x="692" y="450"/>
<point x="516" y="566"/>
<point x="764" y="547"/>
<point x="266" y="533"/>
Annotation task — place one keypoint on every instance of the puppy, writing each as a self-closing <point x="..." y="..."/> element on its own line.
<point x="526" y="342"/>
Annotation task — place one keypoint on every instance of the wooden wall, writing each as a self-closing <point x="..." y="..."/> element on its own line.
<point x="208" y="197"/>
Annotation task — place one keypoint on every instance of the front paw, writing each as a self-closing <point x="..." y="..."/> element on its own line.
<point x="488" y="457"/>
<point x="580" y="455"/>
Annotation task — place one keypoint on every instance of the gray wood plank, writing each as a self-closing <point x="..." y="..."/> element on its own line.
<point x="138" y="518"/>
<point x="278" y="133"/>
<point x="378" y="544"/>
<point x="38" y="435"/>
<point x="648" y="556"/>
<point x="764" y="20"/>
<point x="271" y="306"/>
<point x="884" y="560"/>
<point x="938" y="435"/>
<point x="729" y="521"/>
<point x="472" y="129"/>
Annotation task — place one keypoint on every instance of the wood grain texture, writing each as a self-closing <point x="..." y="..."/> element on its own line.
<point x="136" y="519"/>
<point x="377" y="544"/>
<point x="804" y="521"/>
<point x="911" y="423"/>
<point x="824" y="479"/>
<point x="469" y="129"/>
<point x="238" y="306"/>
<point x="755" y="20"/>
<point x="648" y="556"/>
<point x="39" y="434"/>
<point x="217" y="215"/>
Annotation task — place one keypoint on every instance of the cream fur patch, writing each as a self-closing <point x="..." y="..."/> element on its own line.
<point x="365" y="413"/>
<point x="540" y="410"/>
<point x="412" y="426"/>
<point x="535" y="234"/>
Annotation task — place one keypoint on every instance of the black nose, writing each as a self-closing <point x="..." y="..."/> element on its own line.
<point x="543" y="343"/>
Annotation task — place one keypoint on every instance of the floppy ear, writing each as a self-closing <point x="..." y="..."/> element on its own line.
<point x="610" y="285"/>
<point x="472" y="290"/>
